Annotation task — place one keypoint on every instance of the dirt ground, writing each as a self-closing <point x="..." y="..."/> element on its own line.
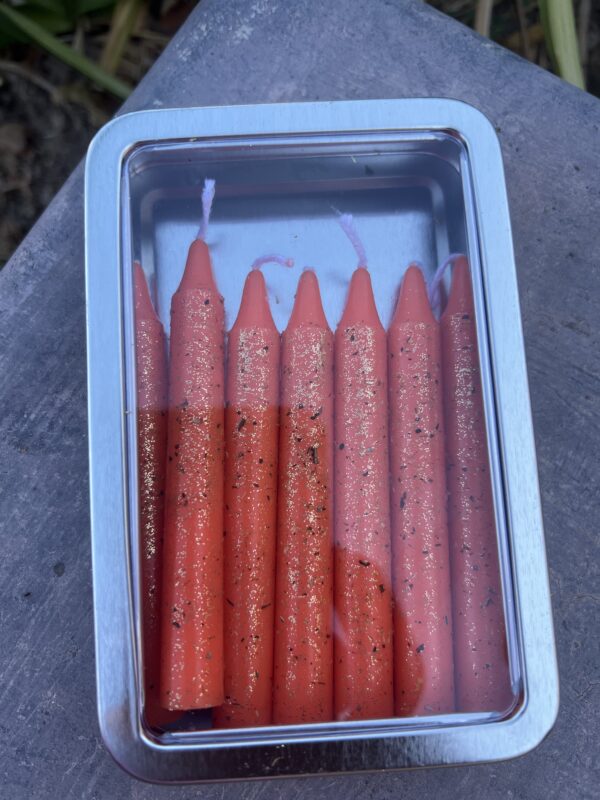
<point x="43" y="135"/>
<point x="48" y="114"/>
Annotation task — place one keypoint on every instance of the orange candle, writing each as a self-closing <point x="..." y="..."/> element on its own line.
<point x="251" y="435"/>
<point x="192" y="606"/>
<point x="480" y="655"/>
<point x="152" y="391"/>
<point x="423" y="658"/>
<point x="303" y="670"/>
<point x="363" y="587"/>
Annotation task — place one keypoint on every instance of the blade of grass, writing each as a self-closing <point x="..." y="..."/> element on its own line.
<point x="122" y="24"/>
<point x="55" y="6"/>
<point x="483" y="17"/>
<point x="49" y="20"/>
<point x="53" y="45"/>
<point x="558" y="20"/>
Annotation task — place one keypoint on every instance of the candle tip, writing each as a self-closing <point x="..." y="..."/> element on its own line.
<point x="144" y="308"/>
<point x="308" y="307"/>
<point x="461" y="293"/>
<point x="198" y="272"/>
<point x="413" y="302"/>
<point x="360" y="305"/>
<point x="254" y="307"/>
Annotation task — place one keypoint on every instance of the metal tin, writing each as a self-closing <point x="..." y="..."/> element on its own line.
<point x="423" y="178"/>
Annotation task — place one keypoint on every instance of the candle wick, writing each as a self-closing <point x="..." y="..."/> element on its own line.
<point x="434" y="288"/>
<point x="208" y="195"/>
<point x="272" y="258"/>
<point x="348" y="225"/>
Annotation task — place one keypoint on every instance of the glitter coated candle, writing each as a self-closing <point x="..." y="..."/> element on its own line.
<point x="303" y="670"/>
<point x="363" y="677"/>
<point x="152" y="392"/>
<point x="480" y="655"/>
<point x="192" y="605"/>
<point x="423" y="658"/>
<point x="251" y="437"/>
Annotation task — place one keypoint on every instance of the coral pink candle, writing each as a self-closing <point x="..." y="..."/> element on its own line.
<point x="303" y="671"/>
<point x="424" y="665"/>
<point x="192" y="605"/>
<point x="152" y="391"/>
<point x="482" y="677"/>
<point x="363" y="597"/>
<point x="251" y="434"/>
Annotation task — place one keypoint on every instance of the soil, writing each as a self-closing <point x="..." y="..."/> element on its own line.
<point x="44" y="132"/>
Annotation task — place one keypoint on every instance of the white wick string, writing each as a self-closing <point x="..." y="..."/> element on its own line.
<point x="348" y="225"/>
<point x="272" y="258"/>
<point x="208" y="195"/>
<point x="434" y="289"/>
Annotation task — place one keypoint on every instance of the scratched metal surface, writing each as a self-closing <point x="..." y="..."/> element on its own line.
<point x="273" y="50"/>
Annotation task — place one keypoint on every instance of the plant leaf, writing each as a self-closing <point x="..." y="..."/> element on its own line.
<point x="91" y="6"/>
<point x="121" y="27"/>
<point x="55" y="23"/>
<point x="53" y="45"/>
<point x="54" y="6"/>
<point x="558" y="21"/>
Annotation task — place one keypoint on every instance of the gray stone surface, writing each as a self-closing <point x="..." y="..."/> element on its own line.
<point x="236" y="51"/>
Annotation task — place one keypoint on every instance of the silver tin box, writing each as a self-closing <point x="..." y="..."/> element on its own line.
<point x="423" y="178"/>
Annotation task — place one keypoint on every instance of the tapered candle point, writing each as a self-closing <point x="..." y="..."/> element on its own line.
<point x="254" y="307"/>
<point x="308" y="308"/>
<point x="144" y="308"/>
<point x="360" y="306"/>
<point x="198" y="272"/>
<point x="413" y="303"/>
<point x="461" y="294"/>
